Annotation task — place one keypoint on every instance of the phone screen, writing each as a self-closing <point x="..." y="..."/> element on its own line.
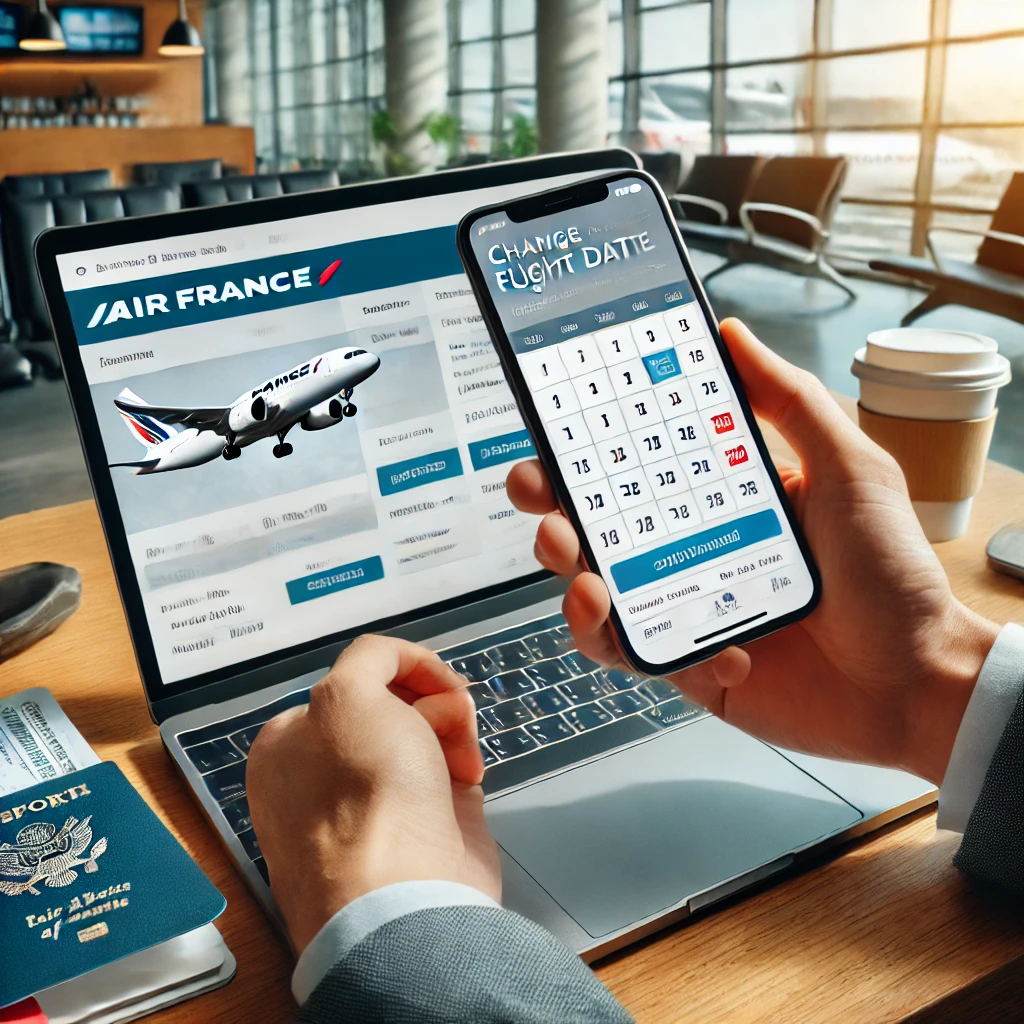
<point x="624" y="377"/>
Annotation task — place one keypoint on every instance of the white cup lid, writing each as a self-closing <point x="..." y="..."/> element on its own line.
<point x="929" y="350"/>
<point x="972" y="379"/>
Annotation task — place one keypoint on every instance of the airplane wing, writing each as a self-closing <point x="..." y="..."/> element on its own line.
<point x="210" y="418"/>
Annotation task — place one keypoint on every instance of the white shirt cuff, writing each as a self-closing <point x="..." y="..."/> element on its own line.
<point x="995" y="696"/>
<point x="353" y="923"/>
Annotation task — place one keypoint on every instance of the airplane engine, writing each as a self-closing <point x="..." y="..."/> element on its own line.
<point x="326" y="414"/>
<point x="247" y="415"/>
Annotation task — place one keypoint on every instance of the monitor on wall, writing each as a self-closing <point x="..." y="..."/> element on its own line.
<point x="103" y="30"/>
<point x="10" y="23"/>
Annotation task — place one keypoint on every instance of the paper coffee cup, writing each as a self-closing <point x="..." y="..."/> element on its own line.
<point x="929" y="398"/>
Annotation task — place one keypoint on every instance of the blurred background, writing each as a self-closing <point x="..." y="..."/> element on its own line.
<point x="886" y="135"/>
<point x="925" y="99"/>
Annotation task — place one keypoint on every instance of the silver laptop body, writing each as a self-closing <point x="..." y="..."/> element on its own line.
<point x="619" y="808"/>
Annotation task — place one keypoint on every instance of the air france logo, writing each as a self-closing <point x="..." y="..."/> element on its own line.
<point x="137" y="306"/>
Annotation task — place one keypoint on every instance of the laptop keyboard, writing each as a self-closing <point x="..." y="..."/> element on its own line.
<point x="541" y="707"/>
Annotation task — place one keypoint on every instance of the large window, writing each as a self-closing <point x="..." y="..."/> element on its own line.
<point x="492" y="72"/>
<point x="317" y="71"/>
<point x="923" y="97"/>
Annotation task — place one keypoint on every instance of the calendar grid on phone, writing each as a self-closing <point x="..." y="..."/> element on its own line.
<point x="646" y="430"/>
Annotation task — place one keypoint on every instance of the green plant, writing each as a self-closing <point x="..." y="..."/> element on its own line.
<point x="384" y="130"/>
<point x="522" y="140"/>
<point x="524" y="136"/>
<point x="445" y="129"/>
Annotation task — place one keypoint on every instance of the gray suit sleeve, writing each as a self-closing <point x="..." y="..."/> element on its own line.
<point x="992" y="850"/>
<point x="449" y="965"/>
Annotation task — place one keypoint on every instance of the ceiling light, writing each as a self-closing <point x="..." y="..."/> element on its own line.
<point x="41" y="31"/>
<point x="182" y="38"/>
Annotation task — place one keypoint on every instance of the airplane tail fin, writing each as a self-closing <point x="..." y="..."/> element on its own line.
<point x="144" y="427"/>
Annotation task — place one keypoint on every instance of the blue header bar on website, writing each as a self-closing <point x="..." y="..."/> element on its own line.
<point x="125" y="310"/>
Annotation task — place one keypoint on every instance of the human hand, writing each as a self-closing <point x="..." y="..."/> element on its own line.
<point x="882" y="670"/>
<point x="376" y="781"/>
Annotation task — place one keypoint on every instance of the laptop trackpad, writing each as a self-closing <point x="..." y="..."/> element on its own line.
<point x="623" y="838"/>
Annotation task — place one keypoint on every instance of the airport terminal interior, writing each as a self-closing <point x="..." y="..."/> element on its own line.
<point x="897" y="126"/>
<point x="291" y="291"/>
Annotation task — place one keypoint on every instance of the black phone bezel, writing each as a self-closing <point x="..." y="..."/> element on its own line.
<point x="568" y="198"/>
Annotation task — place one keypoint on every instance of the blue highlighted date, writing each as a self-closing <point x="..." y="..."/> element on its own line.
<point x="663" y="366"/>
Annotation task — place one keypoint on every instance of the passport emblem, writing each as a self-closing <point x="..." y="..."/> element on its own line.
<point x="42" y="854"/>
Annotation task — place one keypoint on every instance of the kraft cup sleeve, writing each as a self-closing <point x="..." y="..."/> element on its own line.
<point x="943" y="460"/>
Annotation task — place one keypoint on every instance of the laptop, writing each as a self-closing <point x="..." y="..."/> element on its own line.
<point x="298" y="431"/>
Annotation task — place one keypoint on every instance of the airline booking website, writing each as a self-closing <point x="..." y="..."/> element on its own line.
<point x="306" y="425"/>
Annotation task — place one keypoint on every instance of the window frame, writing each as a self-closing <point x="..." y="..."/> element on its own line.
<point x="334" y="65"/>
<point x="498" y="85"/>
<point x="929" y="126"/>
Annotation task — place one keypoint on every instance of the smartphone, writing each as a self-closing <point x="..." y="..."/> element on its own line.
<point x="639" y="418"/>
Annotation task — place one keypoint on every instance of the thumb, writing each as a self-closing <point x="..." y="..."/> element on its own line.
<point x="796" y="403"/>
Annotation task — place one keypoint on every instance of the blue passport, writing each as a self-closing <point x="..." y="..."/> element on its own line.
<point x="88" y="875"/>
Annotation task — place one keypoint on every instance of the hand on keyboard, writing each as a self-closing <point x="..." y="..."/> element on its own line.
<point x="883" y="669"/>
<point x="375" y="782"/>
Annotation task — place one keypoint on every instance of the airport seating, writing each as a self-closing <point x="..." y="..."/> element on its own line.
<point x="353" y="171"/>
<point x="666" y="168"/>
<point x="26" y="217"/>
<point x="712" y="194"/>
<point x="15" y="368"/>
<point x="994" y="282"/>
<point x="254" y="186"/>
<point x="177" y="172"/>
<point x="54" y="184"/>
<point x="469" y="160"/>
<point x="785" y="221"/>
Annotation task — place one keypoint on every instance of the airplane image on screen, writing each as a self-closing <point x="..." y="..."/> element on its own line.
<point x="315" y="395"/>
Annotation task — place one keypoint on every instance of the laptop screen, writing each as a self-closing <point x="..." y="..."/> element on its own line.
<point x="305" y="424"/>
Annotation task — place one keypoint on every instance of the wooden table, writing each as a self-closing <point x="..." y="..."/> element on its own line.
<point x="884" y="929"/>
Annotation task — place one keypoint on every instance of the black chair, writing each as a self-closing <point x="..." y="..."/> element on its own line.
<point x="177" y="173"/>
<point x="355" y="171"/>
<point x="994" y="282"/>
<point x="27" y="217"/>
<point x="308" y="181"/>
<point x="230" y="190"/>
<point x="666" y="168"/>
<point x="714" y="191"/>
<point x="115" y="203"/>
<point x="15" y="368"/>
<point x="54" y="184"/>
<point x="254" y="186"/>
<point x="469" y="160"/>
<point x="785" y="222"/>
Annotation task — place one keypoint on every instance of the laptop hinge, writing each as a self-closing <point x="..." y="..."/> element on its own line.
<point x="735" y="885"/>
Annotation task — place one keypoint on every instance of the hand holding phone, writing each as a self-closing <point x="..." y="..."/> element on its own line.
<point x="882" y="670"/>
<point x="638" y="417"/>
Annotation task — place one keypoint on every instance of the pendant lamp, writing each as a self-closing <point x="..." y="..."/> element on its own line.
<point x="41" y="31"/>
<point x="182" y="38"/>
